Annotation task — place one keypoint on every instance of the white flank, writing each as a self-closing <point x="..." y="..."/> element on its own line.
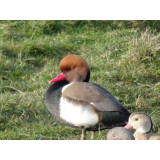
<point x="77" y="115"/>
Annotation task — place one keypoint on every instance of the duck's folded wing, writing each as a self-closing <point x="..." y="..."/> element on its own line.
<point x="88" y="92"/>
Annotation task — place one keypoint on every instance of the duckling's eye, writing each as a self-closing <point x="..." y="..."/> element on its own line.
<point x="136" y="119"/>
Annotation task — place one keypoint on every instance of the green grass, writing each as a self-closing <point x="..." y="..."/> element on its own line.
<point x="124" y="57"/>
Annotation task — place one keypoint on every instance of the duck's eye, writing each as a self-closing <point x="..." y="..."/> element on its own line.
<point x="68" y="69"/>
<point x="136" y="119"/>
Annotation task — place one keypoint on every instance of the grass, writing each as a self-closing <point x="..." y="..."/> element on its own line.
<point x="124" y="57"/>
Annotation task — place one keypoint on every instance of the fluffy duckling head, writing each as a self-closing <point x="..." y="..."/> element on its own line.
<point x="119" y="133"/>
<point x="139" y="121"/>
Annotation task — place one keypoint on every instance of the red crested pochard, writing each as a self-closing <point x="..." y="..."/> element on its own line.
<point x="142" y="123"/>
<point x="77" y="103"/>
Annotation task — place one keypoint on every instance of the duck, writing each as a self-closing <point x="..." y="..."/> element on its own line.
<point x="142" y="123"/>
<point x="80" y="104"/>
<point x="119" y="133"/>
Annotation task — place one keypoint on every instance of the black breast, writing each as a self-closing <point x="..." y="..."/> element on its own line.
<point x="52" y="97"/>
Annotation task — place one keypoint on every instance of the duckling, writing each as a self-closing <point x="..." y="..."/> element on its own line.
<point x="142" y="123"/>
<point x="119" y="133"/>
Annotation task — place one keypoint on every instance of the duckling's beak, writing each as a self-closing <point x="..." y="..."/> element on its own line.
<point x="128" y="126"/>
